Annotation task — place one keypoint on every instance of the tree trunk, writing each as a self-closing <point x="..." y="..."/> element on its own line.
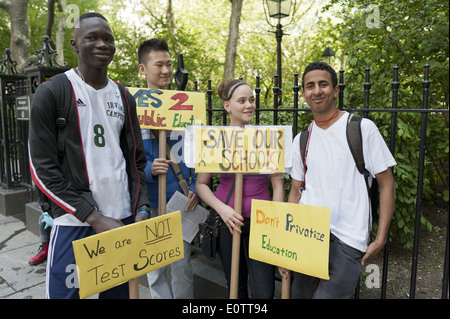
<point x="233" y="37"/>
<point x="56" y="42"/>
<point x="169" y="17"/>
<point x="50" y="18"/>
<point x="60" y="33"/>
<point x="20" y="37"/>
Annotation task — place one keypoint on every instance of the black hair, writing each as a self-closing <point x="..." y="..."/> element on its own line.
<point x="320" y="66"/>
<point x="155" y="44"/>
<point x="86" y="16"/>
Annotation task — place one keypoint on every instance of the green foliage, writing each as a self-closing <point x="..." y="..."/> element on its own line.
<point x="199" y="44"/>
<point x="38" y="15"/>
<point x="409" y="34"/>
<point x="4" y="32"/>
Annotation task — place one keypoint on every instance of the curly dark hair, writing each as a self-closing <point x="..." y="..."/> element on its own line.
<point x="320" y="66"/>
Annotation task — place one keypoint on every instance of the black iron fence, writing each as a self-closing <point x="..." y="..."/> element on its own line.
<point x="16" y="94"/>
<point x="10" y="87"/>
<point x="17" y="90"/>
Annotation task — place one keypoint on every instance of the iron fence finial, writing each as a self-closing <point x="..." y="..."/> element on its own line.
<point x="8" y="65"/>
<point x="46" y="56"/>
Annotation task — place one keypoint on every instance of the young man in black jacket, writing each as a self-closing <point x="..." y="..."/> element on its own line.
<point x="86" y="154"/>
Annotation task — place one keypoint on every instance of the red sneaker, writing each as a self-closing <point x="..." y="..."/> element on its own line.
<point x="41" y="255"/>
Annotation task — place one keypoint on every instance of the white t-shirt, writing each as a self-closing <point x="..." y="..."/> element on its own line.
<point x="332" y="179"/>
<point x="101" y="118"/>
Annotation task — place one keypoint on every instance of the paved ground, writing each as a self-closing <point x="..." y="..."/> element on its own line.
<point x="18" y="280"/>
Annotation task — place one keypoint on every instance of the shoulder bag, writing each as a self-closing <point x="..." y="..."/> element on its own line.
<point x="209" y="230"/>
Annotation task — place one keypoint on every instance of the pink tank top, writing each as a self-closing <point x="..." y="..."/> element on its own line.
<point x="255" y="187"/>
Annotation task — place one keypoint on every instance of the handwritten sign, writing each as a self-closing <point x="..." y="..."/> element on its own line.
<point x="167" y="109"/>
<point x="291" y="236"/>
<point x="111" y="258"/>
<point x="253" y="149"/>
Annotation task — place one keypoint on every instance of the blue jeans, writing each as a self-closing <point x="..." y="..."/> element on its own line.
<point x="344" y="268"/>
<point x="262" y="275"/>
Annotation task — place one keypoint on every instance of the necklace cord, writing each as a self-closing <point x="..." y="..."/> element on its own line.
<point x="321" y="123"/>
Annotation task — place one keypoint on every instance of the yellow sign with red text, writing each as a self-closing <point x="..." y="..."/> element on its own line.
<point x="167" y="109"/>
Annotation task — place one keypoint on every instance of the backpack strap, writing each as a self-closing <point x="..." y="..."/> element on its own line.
<point x="303" y="141"/>
<point x="175" y="166"/>
<point x="65" y="101"/>
<point x="354" y="139"/>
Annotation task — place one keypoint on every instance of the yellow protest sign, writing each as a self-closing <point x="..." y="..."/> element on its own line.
<point x="167" y="109"/>
<point x="111" y="258"/>
<point x="256" y="149"/>
<point x="292" y="236"/>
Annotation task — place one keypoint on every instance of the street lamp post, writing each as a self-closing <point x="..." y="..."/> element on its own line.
<point x="278" y="9"/>
<point x="279" y="36"/>
<point x="327" y="54"/>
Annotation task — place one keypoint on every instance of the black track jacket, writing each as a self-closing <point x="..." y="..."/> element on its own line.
<point x="63" y="177"/>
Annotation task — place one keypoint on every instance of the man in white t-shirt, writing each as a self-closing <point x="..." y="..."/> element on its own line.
<point x="333" y="180"/>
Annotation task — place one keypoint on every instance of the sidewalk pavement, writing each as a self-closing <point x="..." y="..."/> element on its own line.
<point x="18" y="280"/>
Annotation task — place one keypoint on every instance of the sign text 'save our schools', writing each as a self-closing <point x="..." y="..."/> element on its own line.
<point x="251" y="149"/>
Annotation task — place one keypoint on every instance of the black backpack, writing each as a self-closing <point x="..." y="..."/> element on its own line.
<point x="354" y="140"/>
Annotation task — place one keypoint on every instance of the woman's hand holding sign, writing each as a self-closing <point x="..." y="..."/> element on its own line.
<point x="231" y="218"/>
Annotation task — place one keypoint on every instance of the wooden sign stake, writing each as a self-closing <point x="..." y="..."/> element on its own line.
<point x="133" y="287"/>
<point x="286" y="287"/>
<point x="234" y="277"/>
<point x="162" y="177"/>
